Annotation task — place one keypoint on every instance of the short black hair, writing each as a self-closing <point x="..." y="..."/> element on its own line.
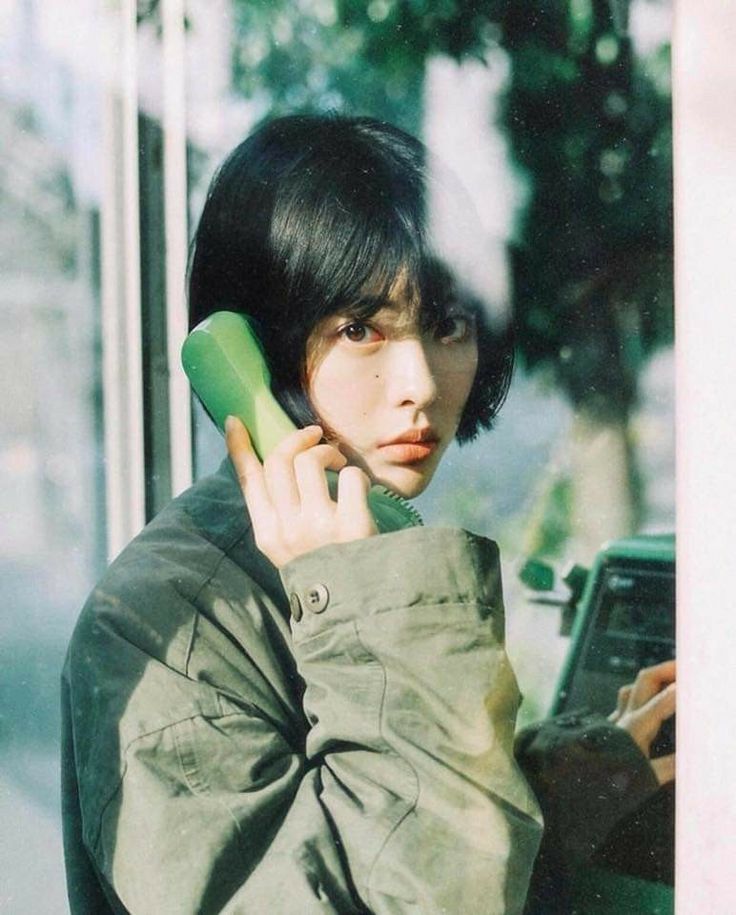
<point x="312" y="214"/>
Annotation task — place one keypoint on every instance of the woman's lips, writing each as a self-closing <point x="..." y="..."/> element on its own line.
<point x="408" y="452"/>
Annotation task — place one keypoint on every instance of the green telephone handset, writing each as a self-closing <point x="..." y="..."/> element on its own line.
<point x="225" y="364"/>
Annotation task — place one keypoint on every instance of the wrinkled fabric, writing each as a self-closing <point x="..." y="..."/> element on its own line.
<point x="221" y="756"/>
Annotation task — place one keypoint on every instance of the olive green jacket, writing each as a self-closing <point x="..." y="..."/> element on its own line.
<point x="334" y="738"/>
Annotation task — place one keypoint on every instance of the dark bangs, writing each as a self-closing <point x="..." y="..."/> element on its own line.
<point x="346" y="226"/>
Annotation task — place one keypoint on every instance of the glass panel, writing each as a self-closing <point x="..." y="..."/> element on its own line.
<point x="52" y="541"/>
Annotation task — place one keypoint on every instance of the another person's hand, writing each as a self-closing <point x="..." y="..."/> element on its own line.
<point x="288" y="496"/>
<point x="642" y="708"/>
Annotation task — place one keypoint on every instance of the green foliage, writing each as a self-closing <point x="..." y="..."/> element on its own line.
<point x="593" y="266"/>
<point x="317" y="56"/>
<point x="404" y="32"/>
<point x="346" y="55"/>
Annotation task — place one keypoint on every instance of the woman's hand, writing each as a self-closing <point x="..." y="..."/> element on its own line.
<point x="288" y="497"/>
<point x="642" y="708"/>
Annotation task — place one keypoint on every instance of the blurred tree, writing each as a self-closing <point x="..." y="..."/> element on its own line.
<point x="319" y="55"/>
<point x="593" y="264"/>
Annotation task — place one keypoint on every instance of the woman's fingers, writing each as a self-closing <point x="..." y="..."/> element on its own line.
<point x="643" y="723"/>
<point x="664" y="768"/>
<point x="659" y="709"/>
<point x="289" y="498"/>
<point x="356" y="520"/>
<point x="279" y="471"/>
<point x="247" y="466"/>
<point x="650" y="681"/>
<point x="309" y="471"/>
<point x="622" y="703"/>
<point x="645" y="704"/>
<point x="252" y="481"/>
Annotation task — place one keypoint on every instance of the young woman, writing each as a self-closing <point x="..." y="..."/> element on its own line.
<point x="270" y="708"/>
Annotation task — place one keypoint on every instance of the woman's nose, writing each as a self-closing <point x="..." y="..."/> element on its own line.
<point x="412" y="381"/>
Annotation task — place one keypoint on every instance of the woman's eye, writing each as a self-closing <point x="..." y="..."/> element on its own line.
<point x="358" y="332"/>
<point x="453" y="328"/>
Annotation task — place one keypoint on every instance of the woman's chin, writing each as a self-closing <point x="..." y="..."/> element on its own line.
<point x="407" y="481"/>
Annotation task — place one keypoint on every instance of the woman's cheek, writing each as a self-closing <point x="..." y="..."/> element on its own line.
<point x="458" y="372"/>
<point x="344" y="394"/>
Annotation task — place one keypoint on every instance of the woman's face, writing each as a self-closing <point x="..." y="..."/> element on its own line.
<point x="389" y="393"/>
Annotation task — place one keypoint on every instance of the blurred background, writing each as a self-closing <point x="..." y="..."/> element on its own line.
<point x="557" y="118"/>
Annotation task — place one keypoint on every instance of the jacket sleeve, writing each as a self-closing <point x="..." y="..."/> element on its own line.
<point x="589" y="777"/>
<point x="412" y="704"/>
<point x="402" y="796"/>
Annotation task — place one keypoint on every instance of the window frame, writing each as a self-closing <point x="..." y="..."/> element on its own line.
<point x="147" y="401"/>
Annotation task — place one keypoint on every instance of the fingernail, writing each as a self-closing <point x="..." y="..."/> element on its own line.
<point x="229" y="423"/>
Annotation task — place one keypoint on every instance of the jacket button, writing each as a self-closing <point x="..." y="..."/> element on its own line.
<point x="296" y="607"/>
<point x="317" y="598"/>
